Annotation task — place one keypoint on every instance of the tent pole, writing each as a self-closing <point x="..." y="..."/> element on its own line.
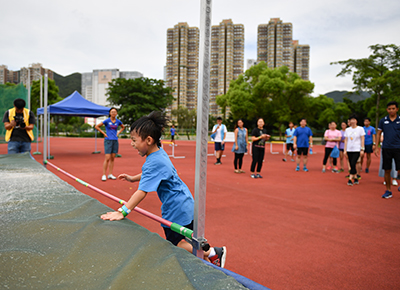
<point x="45" y="121"/>
<point x="95" y="138"/>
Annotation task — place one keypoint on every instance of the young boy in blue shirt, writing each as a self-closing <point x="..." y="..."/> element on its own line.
<point x="158" y="174"/>
<point x="289" y="134"/>
<point x="369" y="143"/>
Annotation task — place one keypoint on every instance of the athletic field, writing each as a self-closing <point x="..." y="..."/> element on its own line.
<point x="289" y="230"/>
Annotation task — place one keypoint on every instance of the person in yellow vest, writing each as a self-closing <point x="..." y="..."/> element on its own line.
<point x="19" y="123"/>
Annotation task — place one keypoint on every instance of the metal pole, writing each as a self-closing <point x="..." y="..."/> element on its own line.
<point x="45" y="120"/>
<point x="48" y="134"/>
<point x="29" y="89"/>
<point x="39" y="120"/>
<point x="202" y="125"/>
<point x="41" y="106"/>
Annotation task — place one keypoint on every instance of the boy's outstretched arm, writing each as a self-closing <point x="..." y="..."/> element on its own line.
<point x="130" y="178"/>
<point x="135" y="199"/>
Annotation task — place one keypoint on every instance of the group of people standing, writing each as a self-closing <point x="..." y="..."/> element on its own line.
<point x="352" y="143"/>
<point x="258" y="137"/>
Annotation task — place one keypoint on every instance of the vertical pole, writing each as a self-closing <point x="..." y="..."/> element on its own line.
<point x="202" y="124"/>
<point x="95" y="136"/>
<point x="29" y="89"/>
<point x="41" y="106"/>
<point x="45" y="120"/>
<point x="48" y="133"/>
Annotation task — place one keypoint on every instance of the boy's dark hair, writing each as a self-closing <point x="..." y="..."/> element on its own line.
<point x="219" y="118"/>
<point x="302" y="120"/>
<point x="353" y="116"/>
<point x="392" y="103"/>
<point x="112" y="108"/>
<point x="151" y="125"/>
<point x="19" y="103"/>
<point x="369" y="119"/>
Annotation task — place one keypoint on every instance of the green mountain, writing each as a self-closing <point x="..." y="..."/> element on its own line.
<point x="69" y="84"/>
<point x="338" y="96"/>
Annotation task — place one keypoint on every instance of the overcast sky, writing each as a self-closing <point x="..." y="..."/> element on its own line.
<point x="79" y="36"/>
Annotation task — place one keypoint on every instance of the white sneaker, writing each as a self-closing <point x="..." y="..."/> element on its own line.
<point x="103" y="178"/>
<point x="394" y="182"/>
<point x="111" y="177"/>
<point x="384" y="183"/>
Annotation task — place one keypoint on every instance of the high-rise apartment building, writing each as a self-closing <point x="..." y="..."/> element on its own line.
<point x="182" y="65"/>
<point x="181" y="72"/>
<point x="95" y="84"/>
<point x="36" y="70"/>
<point x="276" y="47"/>
<point x="301" y="59"/>
<point x="8" y="76"/>
<point x="227" y="59"/>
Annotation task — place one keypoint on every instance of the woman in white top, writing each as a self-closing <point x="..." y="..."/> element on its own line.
<point x="353" y="147"/>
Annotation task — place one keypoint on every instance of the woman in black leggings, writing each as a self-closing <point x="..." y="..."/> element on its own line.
<point x="259" y="136"/>
<point x="353" y="147"/>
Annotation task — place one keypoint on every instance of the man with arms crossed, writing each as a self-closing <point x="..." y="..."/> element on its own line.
<point x="390" y="126"/>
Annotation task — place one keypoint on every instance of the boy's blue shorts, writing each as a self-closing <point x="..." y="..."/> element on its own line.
<point x="219" y="147"/>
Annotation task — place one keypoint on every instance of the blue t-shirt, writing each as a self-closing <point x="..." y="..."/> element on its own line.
<point x="290" y="133"/>
<point x="391" y="130"/>
<point x="111" y="128"/>
<point x="172" y="130"/>
<point x="159" y="174"/>
<point x="369" y="132"/>
<point x="303" y="135"/>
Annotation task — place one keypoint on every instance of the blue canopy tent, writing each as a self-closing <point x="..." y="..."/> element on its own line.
<point x="76" y="105"/>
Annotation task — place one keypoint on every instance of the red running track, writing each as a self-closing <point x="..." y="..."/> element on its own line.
<point x="289" y="230"/>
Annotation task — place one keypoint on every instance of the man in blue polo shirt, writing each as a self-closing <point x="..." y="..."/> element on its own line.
<point x="302" y="141"/>
<point x="390" y="126"/>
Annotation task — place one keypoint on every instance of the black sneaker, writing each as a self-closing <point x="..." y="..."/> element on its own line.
<point x="253" y="176"/>
<point x="217" y="163"/>
<point x="358" y="176"/>
<point x="356" y="181"/>
<point x="284" y="159"/>
<point x="350" y="183"/>
<point x="220" y="257"/>
<point x="259" y="176"/>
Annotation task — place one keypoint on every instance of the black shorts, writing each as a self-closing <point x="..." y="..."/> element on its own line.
<point x="368" y="149"/>
<point x="172" y="137"/>
<point x="174" y="237"/>
<point x="219" y="147"/>
<point x="302" y="151"/>
<point x="388" y="155"/>
<point x="289" y="146"/>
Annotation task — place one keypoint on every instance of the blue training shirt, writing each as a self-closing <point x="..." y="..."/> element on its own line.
<point x="290" y="133"/>
<point x="159" y="174"/>
<point x="303" y="135"/>
<point x="369" y="132"/>
<point x="391" y="130"/>
<point x="111" y="128"/>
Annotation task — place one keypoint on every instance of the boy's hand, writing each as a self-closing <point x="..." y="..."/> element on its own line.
<point x="112" y="216"/>
<point x="124" y="176"/>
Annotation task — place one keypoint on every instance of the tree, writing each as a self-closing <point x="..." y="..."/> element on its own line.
<point x="138" y="97"/>
<point x="52" y="94"/>
<point x="186" y="118"/>
<point x="276" y="95"/>
<point x="377" y="74"/>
